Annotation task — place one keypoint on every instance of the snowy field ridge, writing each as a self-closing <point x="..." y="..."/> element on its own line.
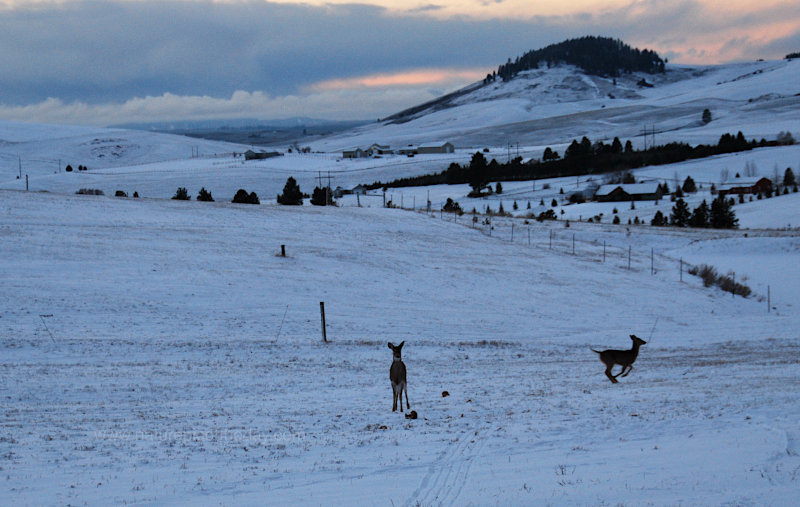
<point x="157" y="351"/>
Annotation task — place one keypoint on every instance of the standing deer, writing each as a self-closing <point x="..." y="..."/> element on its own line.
<point x="624" y="358"/>
<point x="397" y="374"/>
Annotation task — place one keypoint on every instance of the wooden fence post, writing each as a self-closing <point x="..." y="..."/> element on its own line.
<point x="322" y="313"/>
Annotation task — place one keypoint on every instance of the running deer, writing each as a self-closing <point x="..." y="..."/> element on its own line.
<point x="397" y="374"/>
<point x="624" y="358"/>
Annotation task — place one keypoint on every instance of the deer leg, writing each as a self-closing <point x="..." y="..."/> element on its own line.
<point x="630" y="367"/>
<point x="609" y="375"/>
<point x="394" y="398"/>
<point x="408" y="405"/>
<point x="400" y="395"/>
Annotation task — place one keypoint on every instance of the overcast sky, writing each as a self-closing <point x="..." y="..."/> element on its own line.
<point x="105" y="62"/>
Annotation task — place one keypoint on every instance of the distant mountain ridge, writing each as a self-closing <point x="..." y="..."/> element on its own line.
<point x="599" y="56"/>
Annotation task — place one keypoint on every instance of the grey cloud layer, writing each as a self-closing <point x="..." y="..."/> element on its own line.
<point x="98" y="52"/>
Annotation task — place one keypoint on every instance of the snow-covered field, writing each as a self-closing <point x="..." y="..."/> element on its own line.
<point x="163" y="352"/>
<point x="157" y="351"/>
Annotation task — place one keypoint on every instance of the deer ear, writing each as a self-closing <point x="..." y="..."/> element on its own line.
<point x="401" y="344"/>
<point x="391" y="346"/>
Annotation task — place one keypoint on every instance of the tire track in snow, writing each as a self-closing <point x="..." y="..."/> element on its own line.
<point x="447" y="475"/>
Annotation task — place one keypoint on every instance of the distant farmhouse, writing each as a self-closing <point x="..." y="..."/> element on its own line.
<point x="435" y="148"/>
<point x="260" y="155"/>
<point x="357" y="153"/>
<point x="629" y="192"/>
<point x="379" y="149"/>
<point x="762" y="186"/>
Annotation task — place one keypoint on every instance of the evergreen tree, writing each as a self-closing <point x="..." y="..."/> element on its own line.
<point x="320" y="196"/>
<point x="628" y="146"/>
<point x="706" y="116"/>
<point x="658" y="219"/>
<point x="689" y="185"/>
<point x="181" y="194"/>
<point x="291" y="196"/>
<point x="616" y="146"/>
<point x="700" y="216"/>
<point x="788" y="178"/>
<point x="204" y="195"/>
<point x="498" y="189"/>
<point x="680" y="214"/>
<point x="478" y="172"/>
<point x="554" y="203"/>
<point x="722" y="215"/>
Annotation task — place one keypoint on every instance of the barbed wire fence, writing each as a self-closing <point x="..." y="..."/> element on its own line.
<point x="563" y="241"/>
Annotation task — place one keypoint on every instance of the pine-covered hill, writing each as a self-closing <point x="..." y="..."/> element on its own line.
<point x="600" y="56"/>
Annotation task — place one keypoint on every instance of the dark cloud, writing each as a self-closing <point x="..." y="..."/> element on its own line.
<point x="102" y="51"/>
<point x="98" y="52"/>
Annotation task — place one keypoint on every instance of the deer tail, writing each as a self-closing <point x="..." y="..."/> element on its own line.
<point x="595" y="351"/>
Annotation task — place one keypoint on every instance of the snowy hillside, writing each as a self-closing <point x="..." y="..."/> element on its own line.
<point x="553" y="106"/>
<point x="157" y="351"/>
<point x="39" y="150"/>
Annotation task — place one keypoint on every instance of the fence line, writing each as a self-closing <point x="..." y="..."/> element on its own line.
<point x="567" y="242"/>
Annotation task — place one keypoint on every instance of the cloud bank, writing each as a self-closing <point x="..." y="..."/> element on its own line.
<point x="97" y="62"/>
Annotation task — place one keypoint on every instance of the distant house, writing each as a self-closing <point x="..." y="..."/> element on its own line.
<point x="762" y="186"/>
<point x="260" y="155"/>
<point x="629" y="192"/>
<point x="357" y="153"/>
<point x="435" y="148"/>
<point x="379" y="149"/>
<point x="359" y="190"/>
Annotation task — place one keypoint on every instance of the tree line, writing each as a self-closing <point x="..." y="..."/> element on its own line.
<point x="601" y="56"/>
<point x="581" y="158"/>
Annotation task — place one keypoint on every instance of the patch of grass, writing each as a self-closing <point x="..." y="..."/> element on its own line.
<point x="728" y="283"/>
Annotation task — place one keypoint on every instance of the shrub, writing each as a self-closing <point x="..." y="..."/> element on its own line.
<point x="136" y="195"/>
<point x="120" y="193"/>
<point x="452" y="206"/>
<point x="546" y="215"/>
<point x="181" y="194"/>
<point x="242" y="197"/>
<point x="577" y="198"/>
<point x="616" y="219"/>
<point x="90" y="191"/>
<point x="204" y="195"/>
<point x="727" y="283"/>
<point x="69" y="168"/>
